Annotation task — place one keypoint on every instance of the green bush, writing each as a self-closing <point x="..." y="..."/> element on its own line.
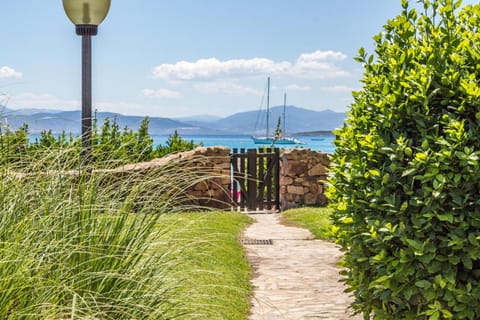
<point x="406" y="174"/>
<point x="111" y="146"/>
<point x="13" y="144"/>
<point x="174" y="143"/>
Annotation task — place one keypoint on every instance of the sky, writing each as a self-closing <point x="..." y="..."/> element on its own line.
<point x="180" y="58"/>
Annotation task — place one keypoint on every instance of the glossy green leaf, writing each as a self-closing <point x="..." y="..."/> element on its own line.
<point x="409" y="157"/>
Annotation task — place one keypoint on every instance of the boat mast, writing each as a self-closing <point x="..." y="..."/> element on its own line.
<point x="268" y="106"/>
<point x="284" y="114"/>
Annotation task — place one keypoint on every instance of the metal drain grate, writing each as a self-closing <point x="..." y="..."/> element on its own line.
<point x="256" y="241"/>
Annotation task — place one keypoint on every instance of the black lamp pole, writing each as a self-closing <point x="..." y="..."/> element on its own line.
<point x="86" y="31"/>
<point x="86" y="15"/>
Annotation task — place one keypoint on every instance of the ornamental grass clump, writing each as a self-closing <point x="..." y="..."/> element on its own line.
<point x="406" y="174"/>
<point x="83" y="244"/>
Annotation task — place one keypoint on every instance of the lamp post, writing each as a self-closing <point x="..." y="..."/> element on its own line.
<point x="86" y="15"/>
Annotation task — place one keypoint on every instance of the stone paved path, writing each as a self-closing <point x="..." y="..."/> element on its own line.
<point x="295" y="278"/>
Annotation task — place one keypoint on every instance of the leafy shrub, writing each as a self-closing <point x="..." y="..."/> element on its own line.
<point x="13" y="144"/>
<point x="406" y="174"/>
<point x="175" y="143"/>
<point x="123" y="146"/>
<point x="111" y="146"/>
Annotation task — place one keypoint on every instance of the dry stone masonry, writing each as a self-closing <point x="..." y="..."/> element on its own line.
<point x="202" y="175"/>
<point x="302" y="178"/>
<point x="213" y="191"/>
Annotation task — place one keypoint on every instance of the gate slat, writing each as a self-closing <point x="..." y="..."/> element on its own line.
<point x="268" y="181"/>
<point x="234" y="183"/>
<point x="242" y="173"/>
<point x="256" y="178"/>
<point x="277" y="178"/>
<point x="260" y="178"/>
<point x="252" y="177"/>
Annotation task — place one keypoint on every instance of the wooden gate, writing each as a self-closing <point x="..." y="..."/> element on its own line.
<point x="256" y="179"/>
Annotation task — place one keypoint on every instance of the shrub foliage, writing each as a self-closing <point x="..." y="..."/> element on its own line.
<point x="112" y="146"/>
<point x="406" y="176"/>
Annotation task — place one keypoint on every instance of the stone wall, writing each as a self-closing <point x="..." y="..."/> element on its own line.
<point x="207" y="169"/>
<point x="212" y="189"/>
<point x="302" y="178"/>
<point x="201" y="176"/>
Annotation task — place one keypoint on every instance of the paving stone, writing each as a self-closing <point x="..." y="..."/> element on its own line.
<point x="295" y="277"/>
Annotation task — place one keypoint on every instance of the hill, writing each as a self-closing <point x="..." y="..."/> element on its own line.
<point x="70" y="121"/>
<point x="298" y="120"/>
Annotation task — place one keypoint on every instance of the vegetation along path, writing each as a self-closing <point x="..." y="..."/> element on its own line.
<point x="295" y="277"/>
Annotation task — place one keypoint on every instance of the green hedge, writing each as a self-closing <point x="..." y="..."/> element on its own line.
<point x="406" y="178"/>
<point x="112" y="146"/>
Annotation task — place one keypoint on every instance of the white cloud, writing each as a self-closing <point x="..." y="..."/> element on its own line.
<point x="337" y="89"/>
<point x="42" y="100"/>
<point x="226" y="87"/>
<point x="296" y="87"/>
<point x="322" y="56"/>
<point x="7" y="72"/>
<point x="317" y="65"/>
<point x="161" y="93"/>
<point x="214" y="68"/>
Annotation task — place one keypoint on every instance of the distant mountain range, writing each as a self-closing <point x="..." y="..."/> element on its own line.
<point x="298" y="120"/>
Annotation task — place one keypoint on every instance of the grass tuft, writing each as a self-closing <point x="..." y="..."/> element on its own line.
<point x="99" y="244"/>
<point x="214" y="268"/>
<point x="317" y="220"/>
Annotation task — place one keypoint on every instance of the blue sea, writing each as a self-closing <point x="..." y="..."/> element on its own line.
<point x="322" y="143"/>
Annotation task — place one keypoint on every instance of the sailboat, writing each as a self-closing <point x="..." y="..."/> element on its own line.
<point x="279" y="137"/>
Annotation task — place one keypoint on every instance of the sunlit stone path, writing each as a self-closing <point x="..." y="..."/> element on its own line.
<point x="294" y="277"/>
